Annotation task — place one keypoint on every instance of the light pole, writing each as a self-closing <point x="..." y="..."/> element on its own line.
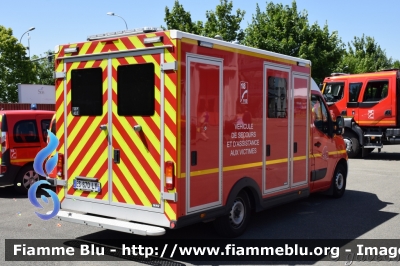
<point x="113" y="14"/>
<point x="31" y="29"/>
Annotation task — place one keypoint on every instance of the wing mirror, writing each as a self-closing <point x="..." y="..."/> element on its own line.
<point x="339" y="125"/>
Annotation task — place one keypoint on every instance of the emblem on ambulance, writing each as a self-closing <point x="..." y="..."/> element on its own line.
<point x="244" y="92"/>
<point x="370" y="114"/>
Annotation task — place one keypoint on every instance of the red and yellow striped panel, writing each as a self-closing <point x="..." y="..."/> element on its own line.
<point x="59" y="84"/>
<point x="87" y="145"/>
<point x="117" y="44"/>
<point x="136" y="179"/>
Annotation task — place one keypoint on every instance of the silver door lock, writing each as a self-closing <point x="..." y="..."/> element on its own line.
<point x="137" y="128"/>
<point x="103" y="127"/>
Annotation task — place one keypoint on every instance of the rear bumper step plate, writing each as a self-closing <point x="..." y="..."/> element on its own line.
<point x="112" y="224"/>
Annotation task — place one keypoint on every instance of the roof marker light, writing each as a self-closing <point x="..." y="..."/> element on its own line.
<point x="206" y="44"/>
<point x="153" y="39"/>
<point x="71" y="50"/>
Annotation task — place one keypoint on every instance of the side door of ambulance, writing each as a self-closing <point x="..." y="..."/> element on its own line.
<point x="322" y="145"/>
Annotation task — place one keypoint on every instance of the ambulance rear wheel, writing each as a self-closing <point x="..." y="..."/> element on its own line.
<point x="236" y="221"/>
<point x="25" y="178"/>
<point x="352" y="144"/>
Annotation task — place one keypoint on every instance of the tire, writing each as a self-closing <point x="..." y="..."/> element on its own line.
<point x="236" y="221"/>
<point x="25" y="178"/>
<point x="339" y="181"/>
<point x="352" y="144"/>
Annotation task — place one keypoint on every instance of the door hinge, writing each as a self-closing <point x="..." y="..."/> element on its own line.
<point x="169" y="66"/>
<point x="59" y="75"/>
<point x="169" y="196"/>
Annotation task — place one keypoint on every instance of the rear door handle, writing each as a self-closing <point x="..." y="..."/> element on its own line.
<point x="317" y="144"/>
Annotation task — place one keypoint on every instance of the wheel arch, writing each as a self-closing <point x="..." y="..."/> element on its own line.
<point x="251" y="188"/>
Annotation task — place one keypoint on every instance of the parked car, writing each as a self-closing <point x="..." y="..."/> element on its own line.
<point x="23" y="135"/>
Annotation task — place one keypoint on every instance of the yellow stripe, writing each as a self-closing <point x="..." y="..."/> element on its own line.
<point x="257" y="164"/>
<point x="21" y="160"/>
<point x="377" y="122"/>
<point x="238" y="51"/>
<point x="85" y="47"/>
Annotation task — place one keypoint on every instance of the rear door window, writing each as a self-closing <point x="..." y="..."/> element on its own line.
<point x="26" y="131"/>
<point x="135" y="90"/>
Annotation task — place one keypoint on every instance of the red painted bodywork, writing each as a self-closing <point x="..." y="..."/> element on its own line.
<point x="362" y="114"/>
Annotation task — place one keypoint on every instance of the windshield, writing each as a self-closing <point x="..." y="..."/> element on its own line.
<point x="333" y="92"/>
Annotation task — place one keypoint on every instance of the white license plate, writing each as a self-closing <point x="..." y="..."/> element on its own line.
<point x="87" y="185"/>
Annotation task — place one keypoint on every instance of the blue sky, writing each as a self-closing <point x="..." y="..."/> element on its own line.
<point x="62" y="22"/>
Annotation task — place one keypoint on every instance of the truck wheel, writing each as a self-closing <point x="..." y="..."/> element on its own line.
<point x="25" y="178"/>
<point x="339" y="182"/>
<point x="352" y="144"/>
<point x="235" y="223"/>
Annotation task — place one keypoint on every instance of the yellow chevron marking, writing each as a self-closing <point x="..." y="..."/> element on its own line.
<point x="121" y="189"/>
<point x="151" y="59"/>
<point x="89" y="155"/>
<point x="170" y="136"/>
<point x="170" y="85"/>
<point x="169" y="211"/>
<point x="114" y="199"/>
<point x="170" y="111"/>
<point x="120" y="45"/>
<point x="135" y="186"/>
<point x="61" y="194"/>
<point x="84" y="48"/>
<point x="103" y="179"/>
<point x="99" y="47"/>
<point x="136" y="42"/>
<point x="143" y="174"/>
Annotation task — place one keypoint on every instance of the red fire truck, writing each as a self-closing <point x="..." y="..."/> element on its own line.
<point x="161" y="129"/>
<point x="370" y="107"/>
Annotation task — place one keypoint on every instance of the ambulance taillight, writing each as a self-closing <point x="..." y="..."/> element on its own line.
<point x="60" y="165"/>
<point x="169" y="175"/>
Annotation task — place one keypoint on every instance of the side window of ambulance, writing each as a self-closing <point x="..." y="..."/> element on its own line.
<point x="320" y="114"/>
<point x="135" y="90"/>
<point x="277" y="97"/>
<point x="87" y="92"/>
<point x="45" y="127"/>
<point x="25" y="131"/>
<point x="376" y="91"/>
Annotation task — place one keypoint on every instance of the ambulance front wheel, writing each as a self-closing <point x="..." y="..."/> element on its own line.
<point x="339" y="181"/>
<point x="236" y="221"/>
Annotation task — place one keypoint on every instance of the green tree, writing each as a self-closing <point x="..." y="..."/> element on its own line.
<point x="219" y="22"/>
<point x="44" y="68"/>
<point x="222" y="22"/>
<point x="179" y="19"/>
<point x="396" y="64"/>
<point x="15" y="67"/>
<point x="284" y="30"/>
<point x="364" y="55"/>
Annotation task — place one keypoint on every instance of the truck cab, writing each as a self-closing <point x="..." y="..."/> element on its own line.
<point x="369" y="104"/>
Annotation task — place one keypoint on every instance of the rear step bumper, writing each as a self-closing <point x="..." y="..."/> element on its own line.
<point x="112" y="224"/>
